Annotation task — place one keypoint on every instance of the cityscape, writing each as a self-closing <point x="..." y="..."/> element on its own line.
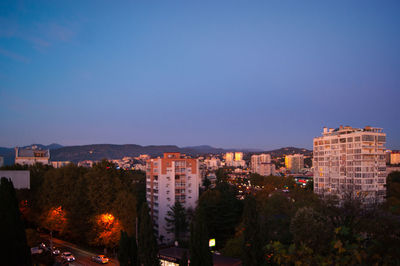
<point x="211" y="133"/>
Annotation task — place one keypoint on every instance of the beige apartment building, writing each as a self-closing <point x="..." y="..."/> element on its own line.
<point x="171" y="178"/>
<point x="261" y="164"/>
<point x="351" y="162"/>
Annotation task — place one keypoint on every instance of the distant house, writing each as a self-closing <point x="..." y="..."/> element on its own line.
<point x="30" y="156"/>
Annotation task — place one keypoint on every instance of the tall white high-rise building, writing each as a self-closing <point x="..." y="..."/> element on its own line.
<point x="350" y="162"/>
<point x="261" y="164"/>
<point x="169" y="179"/>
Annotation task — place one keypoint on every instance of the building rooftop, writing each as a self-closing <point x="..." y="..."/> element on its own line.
<point x="19" y="153"/>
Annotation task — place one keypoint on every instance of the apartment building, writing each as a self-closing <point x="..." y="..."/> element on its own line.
<point x="261" y="164"/>
<point x="171" y="178"/>
<point x="395" y="157"/>
<point x="351" y="162"/>
<point x="234" y="159"/>
<point x="294" y="163"/>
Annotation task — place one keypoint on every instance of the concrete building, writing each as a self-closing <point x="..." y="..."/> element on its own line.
<point x="169" y="179"/>
<point x="20" y="178"/>
<point x="212" y="163"/>
<point x="234" y="159"/>
<point x="294" y="163"/>
<point x="261" y="164"/>
<point x="30" y="156"/>
<point x="59" y="164"/>
<point x="395" y="157"/>
<point x="238" y="156"/>
<point x="350" y="162"/>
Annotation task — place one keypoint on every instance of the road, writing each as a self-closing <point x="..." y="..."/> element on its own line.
<point x="83" y="257"/>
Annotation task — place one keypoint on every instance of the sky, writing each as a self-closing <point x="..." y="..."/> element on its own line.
<point x="231" y="74"/>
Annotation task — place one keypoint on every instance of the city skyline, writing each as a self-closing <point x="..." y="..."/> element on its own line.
<point x="263" y="75"/>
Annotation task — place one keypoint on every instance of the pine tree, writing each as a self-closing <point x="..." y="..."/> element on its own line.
<point x="200" y="254"/>
<point x="177" y="221"/>
<point x="253" y="246"/>
<point x="13" y="237"/>
<point x="148" y="249"/>
<point x="127" y="252"/>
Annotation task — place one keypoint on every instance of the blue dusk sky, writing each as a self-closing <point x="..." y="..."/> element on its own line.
<point x="231" y="74"/>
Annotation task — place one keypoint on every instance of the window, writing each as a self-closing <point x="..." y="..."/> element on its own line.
<point x="381" y="138"/>
<point x="367" y="137"/>
<point x="350" y="139"/>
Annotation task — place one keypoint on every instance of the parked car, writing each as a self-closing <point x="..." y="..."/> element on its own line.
<point x="100" y="259"/>
<point x="67" y="256"/>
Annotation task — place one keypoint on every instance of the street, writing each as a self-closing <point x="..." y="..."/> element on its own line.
<point x="82" y="257"/>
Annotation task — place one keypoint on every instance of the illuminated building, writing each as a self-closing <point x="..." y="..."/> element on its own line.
<point x="30" y="156"/>
<point x="350" y="162"/>
<point x="229" y="157"/>
<point x="395" y="157"/>
<point x="238" y="156"/>
<point x="234" y="159"/>
<point x="261" y="164"/>
<point x="294" y="163"/>
<point x="169" y="179"/>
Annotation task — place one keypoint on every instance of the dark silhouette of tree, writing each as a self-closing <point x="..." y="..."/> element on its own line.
<point x="127" y="252"/>
<point x="14" y="245"/>
<point x="177" y="221"/>
<point x="148" y="249"/>
<point x="253" y="245"/>
<point x="200" y="254"/>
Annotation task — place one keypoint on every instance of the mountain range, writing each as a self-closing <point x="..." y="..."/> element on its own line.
<point x="112" y="151"/>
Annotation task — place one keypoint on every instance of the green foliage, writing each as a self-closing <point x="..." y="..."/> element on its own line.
<point x="148" y="248"/>
<point x="177" y="221"/>
<point x="14" y="245"/>
<point x="127" y="252"/>
<point x="253" y="253"/>
<point x="200" y="254"/>
<point x="311" y="229"/>
<point x="223" y="211"/>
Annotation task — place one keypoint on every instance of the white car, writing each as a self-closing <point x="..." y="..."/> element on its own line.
<point x="67" y="256"/>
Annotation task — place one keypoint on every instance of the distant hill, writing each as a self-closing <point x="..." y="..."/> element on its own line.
<point x="288" y="151"/>
<point x="111" y="151"/>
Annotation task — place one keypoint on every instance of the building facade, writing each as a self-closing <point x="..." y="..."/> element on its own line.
<point x="261" y="164"/>
<point x="31" y="156"/>
<point x="395" y="157"/>
<point x="294" y="163"/>
<point x="169" y="179"/>
<point x="350" y="162"/>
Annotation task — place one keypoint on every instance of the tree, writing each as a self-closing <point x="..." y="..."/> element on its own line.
<point x="13" y="237"/>
<point x="127" y="252"/>
<point x="177" y="221"/>
<point x="200" y="254"/>
<point x="311" y="229"/>
<point x="253" y="246"/>
<point x="148" y="249"/>
<point x="223" y="212"/>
